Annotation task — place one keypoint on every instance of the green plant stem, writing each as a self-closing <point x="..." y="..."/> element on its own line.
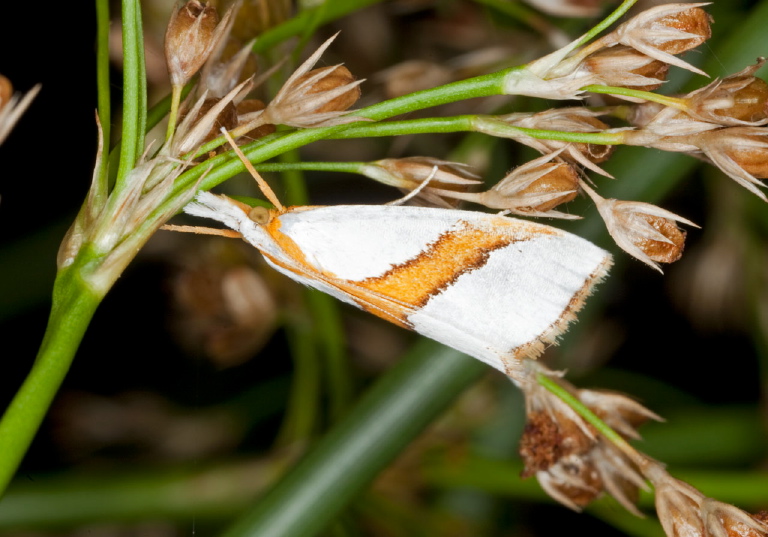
<point x="605" y="23"/>
<point x="73" y="307"/>
<point x="134" y="90"/>
<point x="175" y="101"/>
<point x="383" y="422"/>
<point x="474" y="123"/>
<point x="347" y="167"/>
<point x="665" y="100"/>
<point x="102" y="77"/>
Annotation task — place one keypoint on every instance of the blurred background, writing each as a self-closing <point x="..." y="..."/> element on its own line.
<point x="203" y="375"/>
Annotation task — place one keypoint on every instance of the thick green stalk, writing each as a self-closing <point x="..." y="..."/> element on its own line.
<point x="383" y="422"/>
<point x="73" y="307"/>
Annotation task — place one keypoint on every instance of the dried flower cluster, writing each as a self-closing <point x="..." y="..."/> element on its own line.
<point x="573" y="463"/>
<point x="723" y="123"/>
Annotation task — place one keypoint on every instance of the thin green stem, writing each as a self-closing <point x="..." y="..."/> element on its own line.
<point x="672" y="102"/>
<point x="74" y="304"/>
<point x="605" y="23"/>
<point x="492" y="125"/>
<point x="141" y="68"/>
<point x="102" y="79"/>
<point x="175" y="100"/>
<point x="346" y="167"/>
<point x="134" y="91"/>
<point x="496" y="126"/>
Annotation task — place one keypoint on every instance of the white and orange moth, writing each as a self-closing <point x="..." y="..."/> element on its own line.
<point x="496" y="288"/>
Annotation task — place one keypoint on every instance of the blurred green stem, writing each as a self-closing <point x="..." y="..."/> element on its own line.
<point x="371" y="435"/>
<point x="74" y="304"/>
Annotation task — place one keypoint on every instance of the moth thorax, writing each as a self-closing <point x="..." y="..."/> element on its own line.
<point x="260" y="215"/>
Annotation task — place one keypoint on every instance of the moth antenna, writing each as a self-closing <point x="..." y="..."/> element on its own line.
<point x="200" y="230"/>
<point x="415" y="192"/>
<point x="263" y="186"/>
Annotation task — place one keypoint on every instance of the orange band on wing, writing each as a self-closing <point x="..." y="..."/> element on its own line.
<point x="439" y="265"/>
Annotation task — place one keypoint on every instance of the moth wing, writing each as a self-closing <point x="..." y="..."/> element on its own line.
<point x="493" y="287"/>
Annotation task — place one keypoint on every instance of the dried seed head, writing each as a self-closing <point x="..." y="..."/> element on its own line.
<point x="192" y="34"/>
<point x="549" y="437"/>
<point x="534" y="189"/>
<point x="739" y="99"/>
<point x="748" y="150"/>
<point x="325" y="80"/>
<point x="562" y="180"/>
<point x="447" y="180"/>
<point x="727" y="520"/>
<point x="665" y="128"/>
<point x="644" y="231"/>
<point x="198" y="124"/>
<point x="621" y="413"/>
<point x="740" y="152"/>
<point x="667" y="251"/>
<point x="249" y="106"/>
<point x="311" y="98"/>
<point x="571" y="461"/>
<point x="685" y="512"/>
<point x="626" y="67"/>
<point x="695" y="21"/>
<point x="226" y="118"/>
<point x="642" y="114"/>
<point x="663" y="31"/>
<point x="574" y="119"/>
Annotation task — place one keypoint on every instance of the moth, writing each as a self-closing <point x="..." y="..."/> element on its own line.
<point x="496" y="288"/>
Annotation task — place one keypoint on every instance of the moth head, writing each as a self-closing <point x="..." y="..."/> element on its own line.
<point x="260" y="215"/>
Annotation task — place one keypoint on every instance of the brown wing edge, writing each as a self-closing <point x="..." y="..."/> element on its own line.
<point x="534" y="349"/>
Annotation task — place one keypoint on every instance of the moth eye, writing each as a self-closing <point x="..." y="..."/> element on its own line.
<point x="260" y="215"/>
